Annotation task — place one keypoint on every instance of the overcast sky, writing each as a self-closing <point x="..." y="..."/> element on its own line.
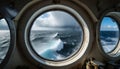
<point x="59" y="20"/>
<point x="55" y="19"/>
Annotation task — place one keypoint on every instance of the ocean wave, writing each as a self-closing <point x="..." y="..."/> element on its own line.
<point x="39" y="36"/>
<point x="109" y="44"/>
<point x="52" y="55"/>
<point x="108" y="48"/>
<point x="55" y="45"/>
<point x="48" y="45"/>
<point x="4" y="44"/>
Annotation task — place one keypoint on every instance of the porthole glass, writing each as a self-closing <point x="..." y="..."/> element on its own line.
<point x="56" y="35"/>
<point x="109" y="34"/>
<point x="4" y="39"/>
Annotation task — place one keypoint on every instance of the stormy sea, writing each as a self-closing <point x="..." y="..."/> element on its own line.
<point x="58" y="45"/>
<point x="61" y="44"/>
<point x="109" y="40"/>
<point x="4" y="43"/>
<point x="55" y="45"/>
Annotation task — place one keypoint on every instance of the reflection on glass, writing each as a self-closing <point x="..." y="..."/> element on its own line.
<point x="4" y="39"/>
<point x="56" y="35"/>
<point x="109" y="34"/>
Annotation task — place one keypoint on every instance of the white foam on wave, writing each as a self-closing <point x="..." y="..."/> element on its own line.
<point x="58" y="56"/>
<point x="48" y="49"/>
<point x="49" y="41"/>
<point x="48" y="45"/>
<point x="113" y="39"/>
<point x="55" y="45"/>
<point x="109" y="46"/>
<point x="58" y="45"/>
<point x="4" y="30"/>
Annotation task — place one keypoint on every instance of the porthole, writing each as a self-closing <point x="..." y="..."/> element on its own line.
<point x="109" y="34"/>
<point x="54" y="35"/>
<point x="7" y="38"/>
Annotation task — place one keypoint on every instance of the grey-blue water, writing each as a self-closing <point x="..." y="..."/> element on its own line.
<point x="61" y="46"/>
<point x="109" y="40"/>
<point x="56" y="45"/>
<point x="4" y="43"/>
<point x="70" y="41"/>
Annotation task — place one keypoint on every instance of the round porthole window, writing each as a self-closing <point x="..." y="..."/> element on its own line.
<point x="7" y="38"/>
<point x="53" y="35"/>
<point x="109" y="35"/>
<point x="56" y="35"/>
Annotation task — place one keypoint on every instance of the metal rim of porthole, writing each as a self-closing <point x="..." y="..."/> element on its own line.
<point x="12" y="30"/>
<point x="114" y="53"/>
<point x="34" y="8"/>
